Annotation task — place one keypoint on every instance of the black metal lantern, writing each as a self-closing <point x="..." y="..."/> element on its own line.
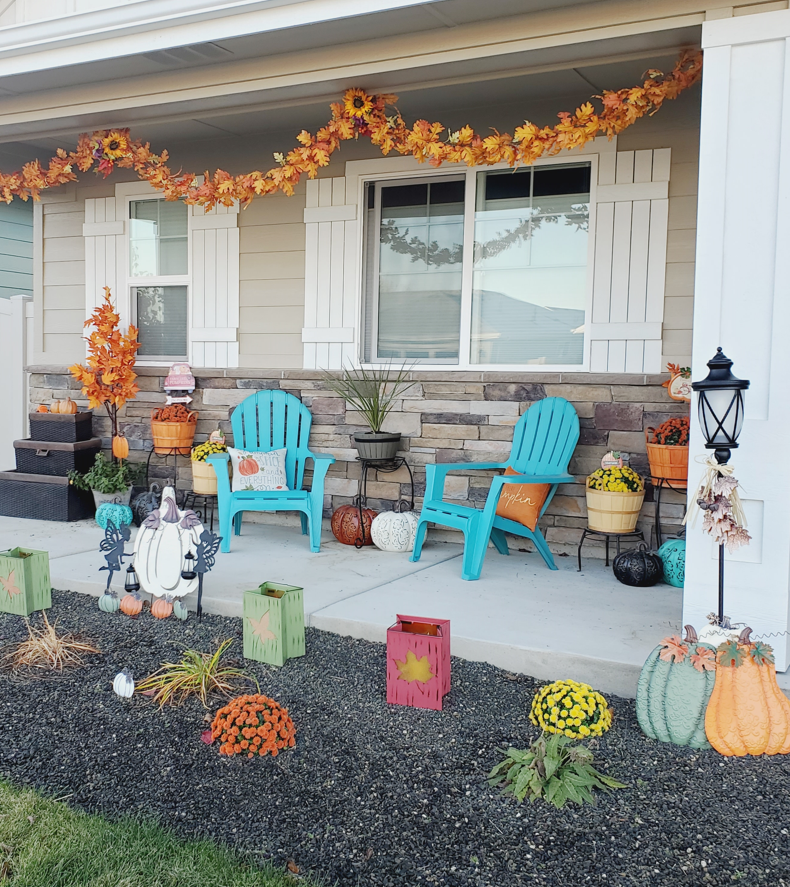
<point x="131" y="584"/>
<point x="720" y="406"/>
<point x="188" y="572"/>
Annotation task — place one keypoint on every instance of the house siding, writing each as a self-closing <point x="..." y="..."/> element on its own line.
<point x="16" y="249"/>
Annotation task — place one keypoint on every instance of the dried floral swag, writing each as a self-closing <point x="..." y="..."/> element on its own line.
<point x="719" y="501"/>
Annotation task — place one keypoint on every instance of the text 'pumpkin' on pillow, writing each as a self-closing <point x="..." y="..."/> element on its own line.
<point x="256" y="471"/>
<point x="522" y="502"/>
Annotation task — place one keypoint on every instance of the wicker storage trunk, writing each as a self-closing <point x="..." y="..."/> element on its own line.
<point x="55" y="459"/>
<point x="61" y="427"/>
<point x="42" y="497"/>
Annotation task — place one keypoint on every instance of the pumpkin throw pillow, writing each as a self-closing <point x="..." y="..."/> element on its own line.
<point x="258" y="471"/>
<point x="522" y="502"/>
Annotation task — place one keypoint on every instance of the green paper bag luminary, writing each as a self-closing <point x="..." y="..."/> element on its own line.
<point x="273" y="623"/>
<point x="24" y="581"/>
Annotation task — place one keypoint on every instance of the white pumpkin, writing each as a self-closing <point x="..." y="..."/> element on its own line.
<point x="162" y="542"/>
<point x="123" y="685"/>
<point x="394" y="530"/>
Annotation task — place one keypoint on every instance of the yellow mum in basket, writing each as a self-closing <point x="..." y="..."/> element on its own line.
<point x="616" y="480"/>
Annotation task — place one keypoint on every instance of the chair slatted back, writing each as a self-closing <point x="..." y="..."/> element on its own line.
<point x="545" y="437"/>
<point x="271" y="420"/>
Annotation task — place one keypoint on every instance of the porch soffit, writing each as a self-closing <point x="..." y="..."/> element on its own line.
<point x="498" y="50"/>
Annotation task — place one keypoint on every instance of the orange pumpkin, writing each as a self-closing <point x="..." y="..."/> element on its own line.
<point x="42" y="408"/>
<point x="120" y="447"/>
<point x="55" y="408"/>
<point x="747" y="713"/>
<point x="131" y="604"/>
<point x="68" y="406"/>
<point x="248" y="466"/>
<point x="161" y="608"/>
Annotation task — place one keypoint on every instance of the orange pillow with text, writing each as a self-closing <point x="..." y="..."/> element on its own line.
<point x="522" y="502"/>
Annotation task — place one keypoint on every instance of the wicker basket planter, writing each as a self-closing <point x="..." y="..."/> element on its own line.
<point x="204" y="478"/>
<point x="610" y="512"/>
<point x="667" y="462"/>
<point x="173" y="437"/>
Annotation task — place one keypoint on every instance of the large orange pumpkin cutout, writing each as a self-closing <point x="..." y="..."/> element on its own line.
<point x="747" y="713"/>
<point x="248" y="467"/>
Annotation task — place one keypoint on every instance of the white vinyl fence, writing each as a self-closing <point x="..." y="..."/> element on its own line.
<point x="16" y="334"/>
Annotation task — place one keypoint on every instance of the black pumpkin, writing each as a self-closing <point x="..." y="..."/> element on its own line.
<point x="145" y="503"/>
<point x="638" y="567"/>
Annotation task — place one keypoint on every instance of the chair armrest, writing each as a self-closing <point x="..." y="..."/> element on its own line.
<point x="533" y="479"/>
<point x="435" y="474"/>
<point x="321" y="463"/>
<point x="219" y="462"/>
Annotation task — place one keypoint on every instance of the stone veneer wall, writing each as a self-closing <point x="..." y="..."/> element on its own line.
<point x="444" y="417"/>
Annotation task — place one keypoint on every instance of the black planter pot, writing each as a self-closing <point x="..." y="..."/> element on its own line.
<point x="379" y="446"/>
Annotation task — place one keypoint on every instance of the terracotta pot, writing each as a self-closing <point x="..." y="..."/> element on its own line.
<point x="670" y="463"/>
<point x="172" y="436"/>
<point x="611" y="512"/>
<point x="346" y="528"/>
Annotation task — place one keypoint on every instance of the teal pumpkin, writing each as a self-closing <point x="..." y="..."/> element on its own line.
<point x="674" y="688"/>
<point x="673" y="557"/>
<point x="109" y="603"/>
<point x="180" y="610"/>
<point x="113" y="512"/>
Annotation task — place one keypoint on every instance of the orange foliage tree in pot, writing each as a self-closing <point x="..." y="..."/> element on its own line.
<point x="108" y="380"/>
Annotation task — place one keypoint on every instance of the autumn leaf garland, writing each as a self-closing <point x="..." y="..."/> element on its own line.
<point x="359" y="114"/>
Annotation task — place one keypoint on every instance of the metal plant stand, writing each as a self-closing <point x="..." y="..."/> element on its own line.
<point x="386" y="466"/>
<point x="636" y="534"/>
<point x="174" y="452"/>
<point x="658" y="485"/>
<point x="203" y="504"/>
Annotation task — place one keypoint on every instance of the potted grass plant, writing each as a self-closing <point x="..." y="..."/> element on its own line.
<point x="372" y="392"/>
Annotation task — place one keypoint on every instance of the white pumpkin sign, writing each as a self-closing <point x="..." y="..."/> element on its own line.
<point x="394" y="530"/>
<point x="162" y="542"/>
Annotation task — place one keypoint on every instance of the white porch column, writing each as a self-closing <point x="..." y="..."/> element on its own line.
<point x="742" y="302"/>
<point x="15" y="326"/>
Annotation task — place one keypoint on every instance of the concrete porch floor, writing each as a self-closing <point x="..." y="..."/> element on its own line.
<point x="519" y="616"/>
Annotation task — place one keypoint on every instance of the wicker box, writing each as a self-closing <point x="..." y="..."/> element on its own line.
<point x="61" y="427"/>
<point x="24" y="581"/>
<point x="273" y="623"/>
<point x="42" y="497"/>
<point x="55" y="459"/>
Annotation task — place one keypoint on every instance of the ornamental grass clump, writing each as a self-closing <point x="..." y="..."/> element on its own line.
<point x="253" y="725"/>
<point x="616" y="480"/>
<point x="572" y="709"/>
<point x="551" y="768"/>
<point x="197" y="674"/>
<point x="47" y="650"/>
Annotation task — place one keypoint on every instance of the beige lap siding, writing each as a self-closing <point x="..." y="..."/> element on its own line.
<point x="445" y="417"/>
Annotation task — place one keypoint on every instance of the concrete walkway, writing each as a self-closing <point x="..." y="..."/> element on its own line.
<point x="519" y="616"/>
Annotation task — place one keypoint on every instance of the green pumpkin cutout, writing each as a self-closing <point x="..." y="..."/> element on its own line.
<point x="674" y="688"/>
<point x="109" y="603"/>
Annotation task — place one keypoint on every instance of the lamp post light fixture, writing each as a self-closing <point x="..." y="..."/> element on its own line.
<point x="720" y="410"/>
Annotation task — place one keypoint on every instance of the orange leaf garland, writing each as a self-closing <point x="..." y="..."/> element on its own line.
<point x="359" y="114"/>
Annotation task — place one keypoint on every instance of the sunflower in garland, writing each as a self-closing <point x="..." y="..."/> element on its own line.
<point x="115" y="145"/>
<point x="357" y="103"/>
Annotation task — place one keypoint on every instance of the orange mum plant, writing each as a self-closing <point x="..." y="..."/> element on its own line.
<point x="108" y="380"/>
<point x="359" y="114"/>
<point x="253" y="725"/>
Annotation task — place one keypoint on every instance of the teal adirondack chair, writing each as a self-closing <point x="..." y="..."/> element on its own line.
<point x="271" y="420"/>
<point x="543" y="442"/>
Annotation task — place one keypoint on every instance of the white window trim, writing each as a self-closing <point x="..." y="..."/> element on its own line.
<point x="398" y="169"/>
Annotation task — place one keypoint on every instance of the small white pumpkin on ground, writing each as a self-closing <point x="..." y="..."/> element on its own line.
<point x="394" y="530"/>
<point x="123" y="685"/>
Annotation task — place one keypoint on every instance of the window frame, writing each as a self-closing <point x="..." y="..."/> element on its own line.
<point x="132" y="195"/>
<point x="464" y="363"/>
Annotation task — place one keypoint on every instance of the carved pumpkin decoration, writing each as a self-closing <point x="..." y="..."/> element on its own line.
<point x="42" y="408"/>
<point x="120" y="447"/>
<point x="674" y="688"/>
<point x="638" y="567"/>
<point x="161" y="608"/>
<point x="346" y="528"/>
<point x="160" y="548"/>
<point x="131" y="604"/>
<point x="248" y="467"/>
<point x="673" y="558"/>
<point x="113" y="513"/>
<point x="144" y="503"/>
<point x="109" y="603"/>
<point x="394" y="530"/>
<point x="123" y="685"/>
<point x="747" y="714"/>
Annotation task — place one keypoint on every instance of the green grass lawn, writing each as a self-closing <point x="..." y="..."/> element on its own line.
<point x="44" y="843"/>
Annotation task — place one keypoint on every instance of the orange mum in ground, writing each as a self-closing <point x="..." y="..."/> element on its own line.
<point x="253" y="725"/>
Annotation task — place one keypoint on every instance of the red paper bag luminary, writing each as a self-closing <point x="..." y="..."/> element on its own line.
<point x="418" y="662"/>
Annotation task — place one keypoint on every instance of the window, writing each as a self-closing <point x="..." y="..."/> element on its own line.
<point x="487" y="268"/>
<point x="159" y="276"/>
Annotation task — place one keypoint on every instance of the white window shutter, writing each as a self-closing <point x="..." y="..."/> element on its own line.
<point x="214" y="293"/>
<point x="631" y="215"/>
<point x="331" y="252"/>
<point x="103" y="233"/>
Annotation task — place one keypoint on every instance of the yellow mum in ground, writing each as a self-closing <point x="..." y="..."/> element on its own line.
<point x="584" y="711"/>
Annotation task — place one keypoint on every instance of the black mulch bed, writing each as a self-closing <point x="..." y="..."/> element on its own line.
<point x="378" y="795"/>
